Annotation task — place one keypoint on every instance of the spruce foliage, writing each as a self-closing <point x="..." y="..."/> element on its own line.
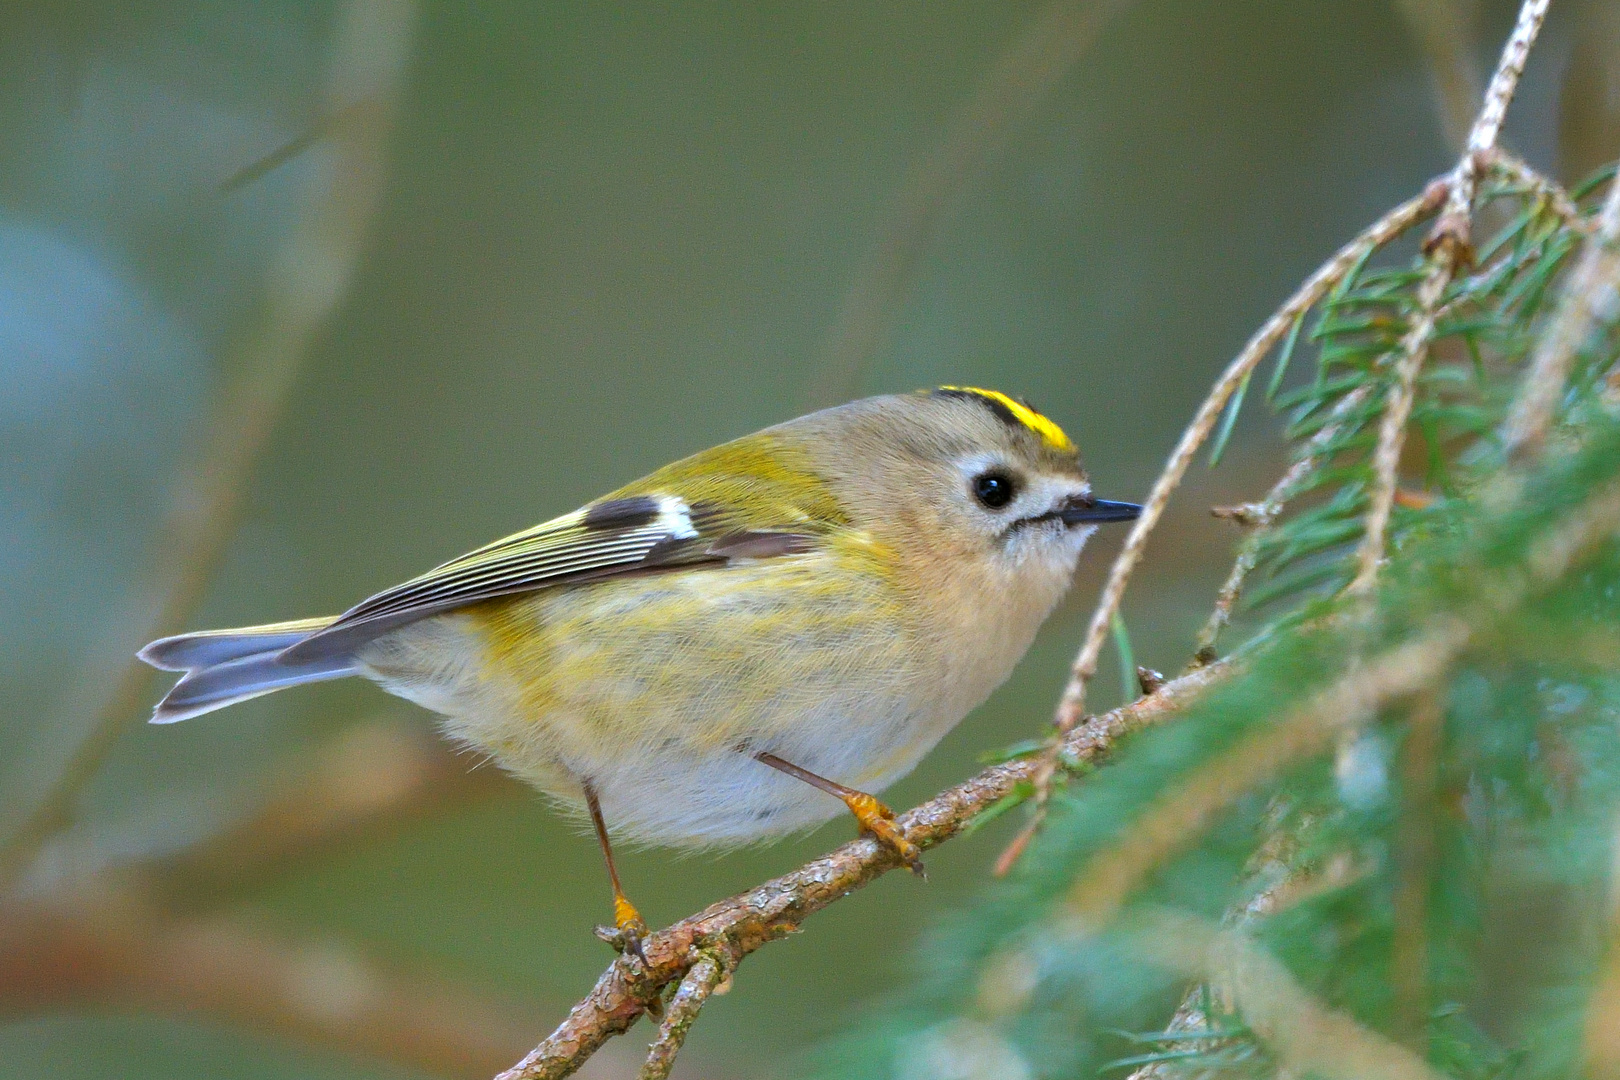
<point x="1387" y="841"/>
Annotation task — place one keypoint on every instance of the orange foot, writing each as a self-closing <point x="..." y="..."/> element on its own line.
<point x="629" y="928"/>
<point x="878" y="820"/>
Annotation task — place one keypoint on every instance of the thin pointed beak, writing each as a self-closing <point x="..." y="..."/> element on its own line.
<point x="1098" y="511"/>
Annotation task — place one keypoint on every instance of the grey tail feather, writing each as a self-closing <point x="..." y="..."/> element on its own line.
<point x="223" y="667"/>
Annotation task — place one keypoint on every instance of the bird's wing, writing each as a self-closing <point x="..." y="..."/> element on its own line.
<point x="635" y="533"/>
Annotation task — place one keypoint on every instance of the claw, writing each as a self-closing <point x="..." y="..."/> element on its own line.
<point x="877" y="820"/>
<point x="631" y="927"/>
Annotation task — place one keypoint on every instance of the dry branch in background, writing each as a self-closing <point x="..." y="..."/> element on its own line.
<point x="116" y="951"/>
<point x="142" y="936"/>
<point x="373" y="776"/>
<point x="115" y="938"/>
<point x="1589" y="107"/>
<point x="307" y="280"/>
<point x="1446" y="31"/>
<point x="1025" y="72"/>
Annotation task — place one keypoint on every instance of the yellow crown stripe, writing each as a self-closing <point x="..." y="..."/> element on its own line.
<point x="1048" y="432"/>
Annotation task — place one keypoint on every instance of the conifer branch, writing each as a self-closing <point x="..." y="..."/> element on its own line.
<point x="1366" y="686"/>
<point x="1591" y="297"/>
<point x="1071" y="706"/>
<point x="1516" y="170"/>
<point x="1185" y="812"/>
<point x="1397" y="410"/>
<point x="1448" y="247"/>
<point x="1261" y="516"/>
<point x="1402" y="669"/>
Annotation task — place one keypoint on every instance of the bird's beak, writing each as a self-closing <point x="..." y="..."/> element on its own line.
<point x="1089" y="511"/>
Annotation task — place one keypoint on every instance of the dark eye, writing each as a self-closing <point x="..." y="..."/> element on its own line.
<point x="994" y="489"/>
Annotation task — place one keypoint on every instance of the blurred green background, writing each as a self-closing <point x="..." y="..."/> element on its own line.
<point x="609" y="236"/>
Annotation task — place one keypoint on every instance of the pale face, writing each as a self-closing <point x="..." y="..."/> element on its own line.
<point x="1024" y="517"/>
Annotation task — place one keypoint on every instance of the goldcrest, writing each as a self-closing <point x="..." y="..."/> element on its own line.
<point x="723" y="650"/>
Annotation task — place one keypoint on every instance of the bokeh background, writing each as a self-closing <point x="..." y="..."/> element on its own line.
<point x="531" y="251"/>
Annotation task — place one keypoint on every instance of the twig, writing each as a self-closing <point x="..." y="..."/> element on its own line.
<point x="683" y="1008"/>
<point x="1261" y="516"/>
<point x="1448" y="247"/>
<point x="305" y="284"/>
<point x="1028" y="69"/>
<point x="745" y="922"/>
<point x="1452" y="228"/>
<point x="1071" y="706"/>
<point x="1518" y="171"/>
<point x="1414" y="349"/>
<point x="1588" y="300"/>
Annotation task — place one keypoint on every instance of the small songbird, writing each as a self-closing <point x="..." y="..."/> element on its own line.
<point x="706" y="655"/>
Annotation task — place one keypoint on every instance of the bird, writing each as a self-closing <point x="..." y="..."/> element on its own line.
<point x="733" y="646"/>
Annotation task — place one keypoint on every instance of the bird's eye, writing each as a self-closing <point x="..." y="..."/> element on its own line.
<point x="994" y="489"/>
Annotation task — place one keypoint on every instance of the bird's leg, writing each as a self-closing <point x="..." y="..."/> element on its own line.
<point x="631" y="926"/>
<point x="872" y="815"/>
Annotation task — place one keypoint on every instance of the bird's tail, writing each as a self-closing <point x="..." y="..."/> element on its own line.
<point x="223" y="667"/>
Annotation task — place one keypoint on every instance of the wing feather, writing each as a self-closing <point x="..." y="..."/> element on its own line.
<point x="585" y="545"/>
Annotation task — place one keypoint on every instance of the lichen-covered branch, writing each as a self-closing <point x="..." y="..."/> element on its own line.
<point x="743" y="923"/>
<point x="682" y="1009"/>
<point x="1451" y="231"/>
